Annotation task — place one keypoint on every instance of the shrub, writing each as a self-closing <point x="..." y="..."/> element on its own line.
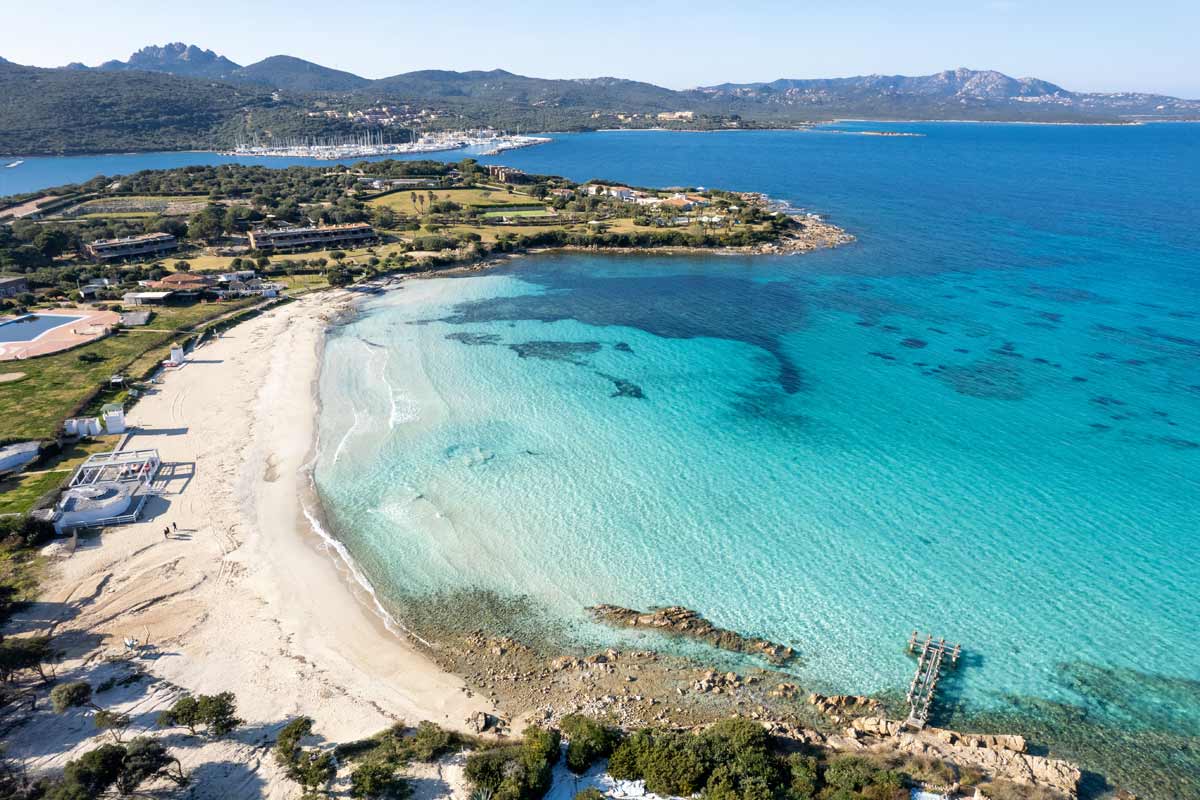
<point x="517" y="772"/>
<point x="732" y="759"/>
<point x="309" y="767"/>
<point x="218" y="712"/>
<point x="430" y="742"/>
<point x="590" y="793"/>
<point x="588" y="741"/>
<point x="185" y="711"/>
<point x="849" y="772"/>
<point x="802" y="773"/>
<point x="90" y="775"/>
<point x="377" y="780"/>
<point x="70" y="695"/>
<point x="114" y="722"/>
<point x="145" y="759"/>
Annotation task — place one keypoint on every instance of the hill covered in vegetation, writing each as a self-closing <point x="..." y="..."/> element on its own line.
<point x="180" y="96"/>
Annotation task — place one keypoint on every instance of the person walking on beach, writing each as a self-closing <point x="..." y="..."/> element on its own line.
<point x="174" y="527"/>
<point x="166" y="533"/>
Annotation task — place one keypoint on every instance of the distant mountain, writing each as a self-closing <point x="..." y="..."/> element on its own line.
<point x="176" y="58"/>
<point x="181" y="96"/>
<point x="297" y="75"/>
<point x="499" y="86"/>
<point x="953" y="94"/>
<point x="961" y="82"/>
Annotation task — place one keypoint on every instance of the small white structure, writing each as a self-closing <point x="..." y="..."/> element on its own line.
<point x="114" y="417"/>
<point x="82" y="426"/>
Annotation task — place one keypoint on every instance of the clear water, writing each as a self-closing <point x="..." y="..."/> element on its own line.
<point x="28" y="328"/>
<point x="981" y="420"/>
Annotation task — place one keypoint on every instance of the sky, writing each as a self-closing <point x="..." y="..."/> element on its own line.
<point x="1101" y="45"/>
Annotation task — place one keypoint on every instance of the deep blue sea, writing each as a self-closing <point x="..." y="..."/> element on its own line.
<point x="980" y="420"/>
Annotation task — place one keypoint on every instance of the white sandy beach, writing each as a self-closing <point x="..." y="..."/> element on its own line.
<point x="245" y="597"/>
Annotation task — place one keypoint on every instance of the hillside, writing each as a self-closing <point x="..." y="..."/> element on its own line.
<point x="71" y="111"/>
<point x="180" y="96"/>
<point x="297" y="75"/>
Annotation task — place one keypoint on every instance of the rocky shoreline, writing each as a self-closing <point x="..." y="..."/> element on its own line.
<point x="636" y="688"/>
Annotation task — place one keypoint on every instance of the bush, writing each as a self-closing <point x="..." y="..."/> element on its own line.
<point x="430" y="742"/>
<point x="70" y="695"/>
<point x="90" y="775"/>
<point x="588" y="742"/>
<point x="185" y="711"/>
<point x="517" y="772"/>
<point x="123" y="767"/>
<point x="114" y="722"/>
<point x="218" y="712"/>
<point x="309" y="767"/>
<point x="377" y="780"/>
<point x="732" y="759"/>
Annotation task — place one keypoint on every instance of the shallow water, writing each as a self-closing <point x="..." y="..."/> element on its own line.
<point x="981" y="420"/>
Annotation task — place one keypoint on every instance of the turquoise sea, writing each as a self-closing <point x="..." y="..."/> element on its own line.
<point x="981" y="420"/>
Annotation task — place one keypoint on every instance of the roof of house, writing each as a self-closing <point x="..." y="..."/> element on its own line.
<point x="184" y="279"/>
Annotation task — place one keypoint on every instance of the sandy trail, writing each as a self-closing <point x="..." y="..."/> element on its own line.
<point x="243" y="597"/>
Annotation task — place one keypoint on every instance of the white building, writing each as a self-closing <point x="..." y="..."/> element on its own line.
<point x="107" y="489"/>
<point x="113" y="415"/>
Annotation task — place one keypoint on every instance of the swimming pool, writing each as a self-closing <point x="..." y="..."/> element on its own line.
<point x="31" y="326"/>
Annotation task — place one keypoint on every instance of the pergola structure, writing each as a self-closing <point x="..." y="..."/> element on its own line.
<point x="117" y="467"/>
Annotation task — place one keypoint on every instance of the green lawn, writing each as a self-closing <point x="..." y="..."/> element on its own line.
<point x="402" y="202"/>
<point x="19" y="493"/>
<point x="54" y="386"/>
<point x="518" y="212"/>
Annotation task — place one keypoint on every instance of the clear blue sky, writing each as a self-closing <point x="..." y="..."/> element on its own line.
<point x="1101" y="45"/>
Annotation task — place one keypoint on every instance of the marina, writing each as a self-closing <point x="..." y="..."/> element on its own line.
<point x="377" y="143"/>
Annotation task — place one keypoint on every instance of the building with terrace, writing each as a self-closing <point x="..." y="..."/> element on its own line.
<point x="355" y="234"/>
<point x="148" y="244"/>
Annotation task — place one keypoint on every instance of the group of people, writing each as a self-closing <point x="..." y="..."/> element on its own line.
<point x="167" y="530"/>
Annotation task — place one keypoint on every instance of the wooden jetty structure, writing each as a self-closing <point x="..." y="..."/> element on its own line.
<point x="931" y="658"/>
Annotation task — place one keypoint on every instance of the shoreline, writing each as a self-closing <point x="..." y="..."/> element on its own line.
<point x="267" y="611"/>
<point x="798" y="127"/>
<point x="244" y="596"/>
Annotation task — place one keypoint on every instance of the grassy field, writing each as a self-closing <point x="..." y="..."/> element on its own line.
<point x="402" y="202"/>
<point x="34" y="406"/>
<point x="19" y="493"/>
<point x="520" y="212"/>
<point x="134" y="206"/>
<point x="206" y="263"/>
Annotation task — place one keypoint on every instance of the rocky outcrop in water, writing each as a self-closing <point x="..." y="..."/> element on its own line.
<point x="681" y="621"/>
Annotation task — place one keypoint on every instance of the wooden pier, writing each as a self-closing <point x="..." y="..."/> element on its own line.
<point x="931" y="657"/>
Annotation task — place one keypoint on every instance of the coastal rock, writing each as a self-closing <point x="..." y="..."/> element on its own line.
<point x="481" y="721"/>
<point x="876" y="726"/>
<point x="785" y="691"/>
<point x="1002" y="757"/>
<point x="840" y="706"/>
<point x="682" y="621"/>
<point x="713" y="682"/>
